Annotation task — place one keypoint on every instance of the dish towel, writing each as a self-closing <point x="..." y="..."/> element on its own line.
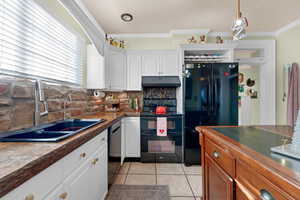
<point x="293" y="95"/>
<point x="162" y="126"/>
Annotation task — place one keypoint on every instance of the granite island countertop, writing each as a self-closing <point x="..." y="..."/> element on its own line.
<point x="256" y="142"/>
<point x="21" y="161"/>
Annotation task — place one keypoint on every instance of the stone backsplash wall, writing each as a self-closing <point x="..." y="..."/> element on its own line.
<point x="123" y="100"/>
<point x="17" y="104"/>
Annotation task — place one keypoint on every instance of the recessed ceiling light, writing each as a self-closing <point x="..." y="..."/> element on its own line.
<point x="126" y="17"/>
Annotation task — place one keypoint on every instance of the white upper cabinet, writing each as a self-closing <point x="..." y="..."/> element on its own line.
<point x="134" y="72"/>
<point x="169" y="62"/>
<point x="160" y="63"/>
<point x="116" y="69"/>
<point x="95" y="69"/>
<point x="150" y="64"/>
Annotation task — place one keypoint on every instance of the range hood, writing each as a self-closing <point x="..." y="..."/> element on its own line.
<point x="161" y="81"/>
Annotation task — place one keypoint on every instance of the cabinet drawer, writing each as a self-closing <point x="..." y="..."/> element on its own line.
<point x="221" y="155"/>
<point x="258" y="185"/>
<point x="77" y="157"/>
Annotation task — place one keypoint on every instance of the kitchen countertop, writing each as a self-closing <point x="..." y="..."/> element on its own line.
<point x="255" y="142"/>
<point x="21" y="161"/>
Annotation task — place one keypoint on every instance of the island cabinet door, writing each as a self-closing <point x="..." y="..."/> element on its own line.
<point x="218" y="185"/>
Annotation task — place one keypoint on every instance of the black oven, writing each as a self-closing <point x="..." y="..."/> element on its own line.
<point x="161" y="148"/>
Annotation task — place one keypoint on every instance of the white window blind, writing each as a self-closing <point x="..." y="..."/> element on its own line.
<point x="34" y="43"/>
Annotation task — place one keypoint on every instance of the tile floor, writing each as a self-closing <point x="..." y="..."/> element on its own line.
<point x="185" y="183"/>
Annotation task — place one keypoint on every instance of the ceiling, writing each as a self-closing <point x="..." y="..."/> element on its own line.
<point x="162" y="16"/>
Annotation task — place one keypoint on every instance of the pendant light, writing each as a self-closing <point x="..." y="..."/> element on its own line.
<point x="240" y="24"/>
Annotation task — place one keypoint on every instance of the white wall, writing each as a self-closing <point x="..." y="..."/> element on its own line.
<point x="288" y="51"/>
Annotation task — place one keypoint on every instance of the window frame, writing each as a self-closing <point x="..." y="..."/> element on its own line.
<point x="83" y="54"/>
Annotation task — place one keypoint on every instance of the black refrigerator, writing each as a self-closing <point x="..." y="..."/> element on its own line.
<point x="211" y="99"/>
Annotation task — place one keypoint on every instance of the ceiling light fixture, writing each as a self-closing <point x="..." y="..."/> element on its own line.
<point x="126" y="17"/>
<point x="240" y="24"/>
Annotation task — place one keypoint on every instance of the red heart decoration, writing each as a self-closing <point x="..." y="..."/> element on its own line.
<point x="161" y="130"/>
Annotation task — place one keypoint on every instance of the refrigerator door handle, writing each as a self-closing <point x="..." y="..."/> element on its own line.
<point x="209" y="95"/>
<point x="215" y="93"/>
<point x="212" y="93"/>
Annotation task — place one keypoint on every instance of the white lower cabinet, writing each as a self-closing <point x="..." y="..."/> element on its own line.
<point x="132" y="134"/>
<point x="90" y="180"/>
<point x="98" y="179"/>
<point x="64" y="181"/>
<point x="58" y="194"/>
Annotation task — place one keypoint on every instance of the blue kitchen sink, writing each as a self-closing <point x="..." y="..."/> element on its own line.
<point x="51" y="132"/>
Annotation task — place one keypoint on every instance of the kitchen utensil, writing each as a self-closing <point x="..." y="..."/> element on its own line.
<point x="161" y="110"/>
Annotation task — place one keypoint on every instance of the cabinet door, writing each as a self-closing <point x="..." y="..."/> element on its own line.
<point x="169" y="64"/>
<point x="78" y="184"/>
<point x="98" y="175"/>
<point x="134" y="72"/>
<point x="123" y="142"/>
<point x="150" y="65"/>
<point x="58" y="194"/>
<point x="243" y="194"/>
<point x="117" y="70"/>
<point x="90" y="180"/>
<point x="218" y="185"/>
<point x="95" y="69"/>
<point x="133" y="137"/>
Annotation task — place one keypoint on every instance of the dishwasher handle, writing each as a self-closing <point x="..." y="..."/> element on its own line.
<point x="115" y="130"/>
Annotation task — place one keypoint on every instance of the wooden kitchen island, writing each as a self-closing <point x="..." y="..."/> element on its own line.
<point x="238" y="164"/>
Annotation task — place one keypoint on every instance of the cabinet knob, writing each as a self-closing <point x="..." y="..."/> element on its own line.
<point x="29" y="197"/>
<point x="216" y="154"/>
<point x="103" y="139"/>
<point x="94" y="162"/>
<point x="265" y="195"/>
<point x="63" y="195"/>
<point x="83" y="155"/>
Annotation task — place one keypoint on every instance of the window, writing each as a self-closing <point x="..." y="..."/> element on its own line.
<point x="33" y="43"/>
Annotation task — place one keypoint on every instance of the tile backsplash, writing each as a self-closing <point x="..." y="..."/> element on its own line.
<point x="17" y="102"/>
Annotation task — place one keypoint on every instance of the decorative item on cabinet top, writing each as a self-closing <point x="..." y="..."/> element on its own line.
<point x="215" y="57"/>
<point x="192" y="40"/>
<point x="113" y="42"/>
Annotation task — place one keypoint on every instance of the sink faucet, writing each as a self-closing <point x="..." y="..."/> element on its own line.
<point x="39" y="96"/>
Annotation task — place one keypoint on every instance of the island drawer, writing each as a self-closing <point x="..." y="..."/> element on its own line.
<point x="221" y="155"/>
<point x="258" y="185"/>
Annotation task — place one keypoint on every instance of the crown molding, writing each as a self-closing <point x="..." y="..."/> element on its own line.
<point x="253" y="34"/>
<point x="139" y="35"/>
<point x="287" y="27"/>
<point x="261" y="34"/>
<point x="186" y="32"/>
<point x="222" y="34"/>
<point x="205" y="32"/>
<point x="161" y="35"/>
<point x="189" y="32"/>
